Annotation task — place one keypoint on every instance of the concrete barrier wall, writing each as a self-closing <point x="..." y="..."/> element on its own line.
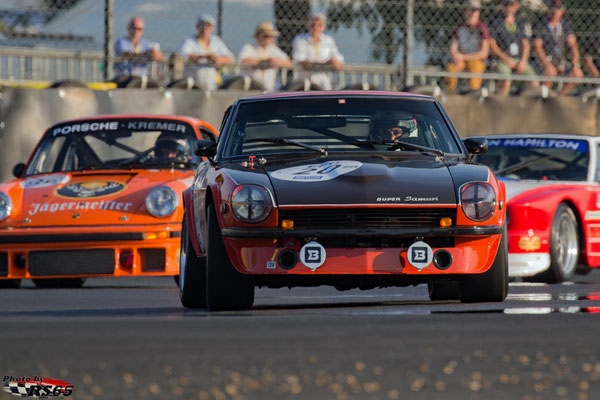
<point x="26" y="113"/>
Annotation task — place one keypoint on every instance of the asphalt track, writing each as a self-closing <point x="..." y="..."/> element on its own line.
<point x="130" y="339"/>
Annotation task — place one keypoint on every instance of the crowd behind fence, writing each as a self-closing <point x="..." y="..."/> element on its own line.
<point x="376" y="37"/>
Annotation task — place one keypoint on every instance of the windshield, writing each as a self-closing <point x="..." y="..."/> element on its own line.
<point x="335" y="124"/>
<point x="537" y="158"/>
<point x="115" y="144"/>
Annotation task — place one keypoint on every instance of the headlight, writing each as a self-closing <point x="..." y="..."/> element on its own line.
<point x="5" y="206"/>
<point x="478" y="201"/>
<point x="161" y="201"/>
<point x="251" y="203"/>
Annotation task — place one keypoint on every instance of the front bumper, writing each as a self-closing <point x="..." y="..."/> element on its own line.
<point x="257" y="251"/>
<point x="68" y="252"/>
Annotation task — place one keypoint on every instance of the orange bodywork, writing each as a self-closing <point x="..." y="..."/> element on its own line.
<point x="50" y="227"/>
<point x="470" y="254"/>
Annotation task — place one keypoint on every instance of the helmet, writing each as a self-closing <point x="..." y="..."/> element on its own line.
<point x="171" y="147"/>
<point x="391" y="125"/>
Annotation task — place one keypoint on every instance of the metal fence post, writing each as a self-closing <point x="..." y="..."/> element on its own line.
<point x="220" y="18"/>
<point x="408" y="43"/>
<point x="108" y="38"/>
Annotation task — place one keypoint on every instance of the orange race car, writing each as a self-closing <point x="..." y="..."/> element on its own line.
<point x="349" y="189"/>
<point x="99" y="197"/>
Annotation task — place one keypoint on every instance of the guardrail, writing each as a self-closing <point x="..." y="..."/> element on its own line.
<point x="28" y="64"/>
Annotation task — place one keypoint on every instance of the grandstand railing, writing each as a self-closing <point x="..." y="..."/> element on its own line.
<point x="28" y="64"/>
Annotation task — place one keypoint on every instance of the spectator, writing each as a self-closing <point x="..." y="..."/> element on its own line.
<point x="510" y="45"/>
<point x="551" y="35"/>
<point x="591" y="60"/>
<point x="265" y="57"/>
<point x="204" y="53"/>
<point x="315" y="52"/>
<point x="133" y="51"/>
<point x="470" y="46"/>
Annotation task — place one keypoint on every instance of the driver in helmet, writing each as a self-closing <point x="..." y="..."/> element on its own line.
<point x="172" y="148"/>
<point x="390" y="130"/>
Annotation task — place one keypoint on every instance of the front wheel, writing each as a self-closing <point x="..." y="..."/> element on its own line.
<point x="443" y="290"/>
<point x="492" y="285"/>
<point x="226" y="288"/>
<point x="192" y="272"/>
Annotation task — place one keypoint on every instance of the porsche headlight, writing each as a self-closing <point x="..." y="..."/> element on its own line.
<point x="251" y="203"/>
<point x="5" y="206"/>
<point x="478" y="201"/>
<point x="161" y="202"/>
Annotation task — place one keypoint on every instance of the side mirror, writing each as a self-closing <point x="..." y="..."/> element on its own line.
<point x="476" y="145"/>
<point x="205" y="148"/>
<point x="18" y="169"/>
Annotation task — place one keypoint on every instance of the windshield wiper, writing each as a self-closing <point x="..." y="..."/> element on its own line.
<point x="289" y="142"/>
<point x="398" y="144"/>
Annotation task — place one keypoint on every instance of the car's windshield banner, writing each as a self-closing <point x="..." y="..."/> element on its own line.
<point x="130" y="125"/>
<point x="541" y="143"/>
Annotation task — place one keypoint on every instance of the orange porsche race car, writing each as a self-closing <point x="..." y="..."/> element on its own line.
<point x="99" y="197"/>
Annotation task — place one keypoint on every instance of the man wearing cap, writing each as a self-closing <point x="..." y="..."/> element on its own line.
<point x="552" y="34"/>
<point x="470" y="46"/>
<point x="204" y="53"/>
<point x="315" y="52"/>
<point x="261" y="61"/>
<point x="134" y="52"/>
<point x="510" y="45"/>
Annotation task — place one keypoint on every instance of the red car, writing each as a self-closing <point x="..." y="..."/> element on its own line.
<point x="350" y="189"/>
<point x="553" y="200"/>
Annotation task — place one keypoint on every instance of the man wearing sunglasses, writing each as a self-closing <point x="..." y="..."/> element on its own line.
<point x="134" y="52"/>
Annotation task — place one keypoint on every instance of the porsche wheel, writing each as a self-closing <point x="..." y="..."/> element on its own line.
<point x="10" y="283"/>
<point x="226" y="288"/>
<point x="564" y="246"/>
<point x="443" y="290"/>
<point x="59" y="283"/>
<point x="192" y="272"/>
<point x="492" y="285"/>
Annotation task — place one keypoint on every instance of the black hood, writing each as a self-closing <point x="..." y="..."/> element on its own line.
<point x="362" y="180"/>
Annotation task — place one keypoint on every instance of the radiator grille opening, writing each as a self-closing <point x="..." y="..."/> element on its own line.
<point x="368" y="217"/>
<point x="3" y="264"/>
<point x="72" y="262"/>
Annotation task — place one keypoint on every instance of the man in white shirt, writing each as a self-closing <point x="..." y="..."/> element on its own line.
<point x="317" y="53"/>
<point x="203" y="53"/>
<point x="264" y="58"/>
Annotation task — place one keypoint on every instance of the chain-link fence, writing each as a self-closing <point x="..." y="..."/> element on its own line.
<point x="380" y="34"/>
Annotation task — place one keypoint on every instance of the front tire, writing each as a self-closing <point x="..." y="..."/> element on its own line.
<point x="564" y="247"/>
<point x="492" y="285"/>
<point x="443" y="290"/>
<point x="226" y="288"/>
<point x="192" y="272"/>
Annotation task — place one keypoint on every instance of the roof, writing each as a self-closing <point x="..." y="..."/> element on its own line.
<point x="333" y="93"/>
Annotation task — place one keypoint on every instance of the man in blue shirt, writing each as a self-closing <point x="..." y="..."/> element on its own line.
<point x="510" y="45"/>
<point x="552" y="37"/>
<point x="134" y="52"/>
